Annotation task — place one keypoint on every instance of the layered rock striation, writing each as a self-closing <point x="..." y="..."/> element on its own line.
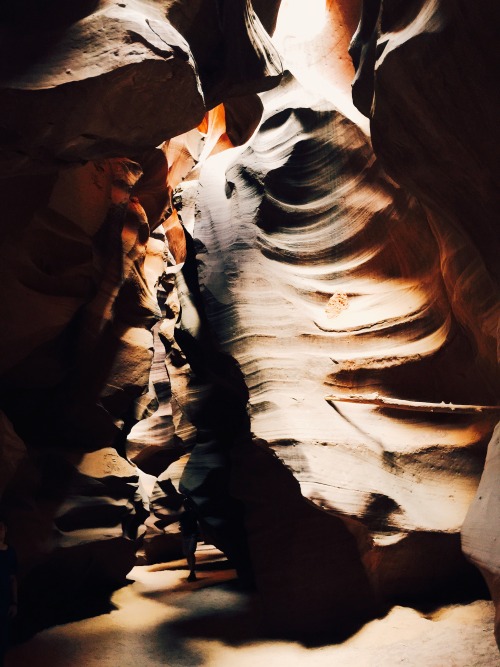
<point x="323" y="278"/>
<point x="300" y="335"/>
<point x="426" y="78"/>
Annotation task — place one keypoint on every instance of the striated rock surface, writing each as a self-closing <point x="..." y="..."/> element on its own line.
<point x="316" y="367"/>
<point x="188" y="371"/>
<point x="322" y="278"/>
<point x="426" y="78"/>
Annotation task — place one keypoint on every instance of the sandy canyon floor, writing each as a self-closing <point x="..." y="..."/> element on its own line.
<point x="161" y="619"/>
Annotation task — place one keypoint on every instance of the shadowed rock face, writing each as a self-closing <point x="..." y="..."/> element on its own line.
<point x="87" y="92"/>
<point x="414" y="62"/>
<point x="115" y="79"/>
<point x="75" y="371"/>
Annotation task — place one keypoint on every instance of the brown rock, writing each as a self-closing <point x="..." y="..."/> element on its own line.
<point x="232" y="50"/>
<point x="102" y="78"/>
<point x="427" y="79"/>
<point x="87" y="264"/>
<point x="12" y="452"/>
<point x="100" y="87"/>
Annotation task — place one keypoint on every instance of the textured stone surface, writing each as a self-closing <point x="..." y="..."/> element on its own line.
<point x="320" y="275"/>
<point x="89" y="91"/>
<point x="112" y="79"/>
<point x="426" y="77"/>
<point x="100" y="87"/>
<point x="427" y="73"/>
<point x="303" y="397"/>
<point x="188" y="372"/>
<point x="233" y="51"/>
<point x="75" y="379"/>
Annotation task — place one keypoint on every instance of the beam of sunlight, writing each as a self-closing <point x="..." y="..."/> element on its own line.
<point x="301" y="19"/>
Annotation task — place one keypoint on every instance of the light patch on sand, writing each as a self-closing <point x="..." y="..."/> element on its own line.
<point x="144" y="630"/>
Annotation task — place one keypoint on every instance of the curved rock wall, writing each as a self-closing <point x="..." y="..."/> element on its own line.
<point x="88" y="228"/>
<point x="322" y="278"/>
<point x="426" y="78"/>
<point x="329" y="363"/>
<point x="414" y="63"/>
<point x="75" y="377"/>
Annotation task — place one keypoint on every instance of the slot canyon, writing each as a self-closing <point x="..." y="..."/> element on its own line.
<point x="249" y="254"/>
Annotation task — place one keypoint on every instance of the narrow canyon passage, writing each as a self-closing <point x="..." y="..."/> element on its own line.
<point x="249" y="264"/>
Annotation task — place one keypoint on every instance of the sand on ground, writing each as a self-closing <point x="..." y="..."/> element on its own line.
<point x="162" y="620"/>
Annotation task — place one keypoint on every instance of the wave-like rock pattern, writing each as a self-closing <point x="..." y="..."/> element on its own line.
<point x="88" y="90"/>
<point x="321" y="276"/>
<point x="426" y="78"/>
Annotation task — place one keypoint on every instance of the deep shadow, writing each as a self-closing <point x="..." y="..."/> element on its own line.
<point x="247" y="625"/>
<point x="60" y="612"/>
<point x="71" y="585"/>
<point x="466" y="591"/>
<point x="212" y="567"/>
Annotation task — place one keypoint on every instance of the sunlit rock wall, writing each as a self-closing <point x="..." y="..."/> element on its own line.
<point x="322" y="277"/>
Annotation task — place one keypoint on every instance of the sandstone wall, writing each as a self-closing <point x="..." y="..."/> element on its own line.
<point x="300" y="334"/>
<point x="322" y="277"/>
<point x="91" y="92"/>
